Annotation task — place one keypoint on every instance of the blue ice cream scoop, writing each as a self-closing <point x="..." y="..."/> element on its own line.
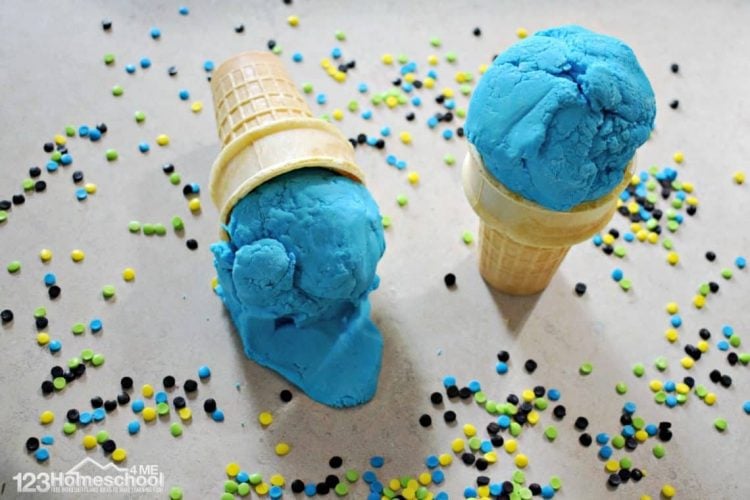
<point x="558" y="116"/>
<point x="301" y="235"/>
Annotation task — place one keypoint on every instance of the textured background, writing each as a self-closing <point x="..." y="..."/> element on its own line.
<point x="169" y="321"/>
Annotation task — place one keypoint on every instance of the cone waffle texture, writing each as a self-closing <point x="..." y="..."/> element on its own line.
<point x="521" y="243"/>
<point x="266" y="129"/>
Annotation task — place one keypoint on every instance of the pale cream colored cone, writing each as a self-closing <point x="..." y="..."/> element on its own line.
<point x="266" y="129"/>
<point x="521" y="243"/>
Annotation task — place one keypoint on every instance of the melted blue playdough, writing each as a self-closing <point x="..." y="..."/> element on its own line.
<point x="295" y="276"/>
<point x="557" y="116"/>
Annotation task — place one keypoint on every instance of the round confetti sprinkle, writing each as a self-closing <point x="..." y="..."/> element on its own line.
<point x="77" y="255"/>
<point x="586" y="369"/>
<point x="282" y="449"/>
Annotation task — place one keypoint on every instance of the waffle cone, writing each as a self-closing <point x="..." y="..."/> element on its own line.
<point x="266" y="129"/>
<point x="521" y="243"/>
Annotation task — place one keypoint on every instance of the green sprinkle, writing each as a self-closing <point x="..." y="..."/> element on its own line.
<point x="160" y="230"/>
<point x="402" y="99"/>
<point x="480" y="397"/>
<point x="97" y="359"/>
<point x="59" y="383"/>
<point x="352" y="475"/>
<point x="651" y="224"/>
<point x="451" y="56"/>
<point x="449" y="159"/>
<point x="40" y="312"/>
<point x="353" y="106"/>
<point x="109" y="59"/>
<point x="175" y="493"/>
<point x="56" y="156"/>
<point x="162" y="408"/>
<point x="661" y="363"/>
<point x="230" y="486"/>
<point x="111" y="154"/>
<point x="639" y="369"/>
<point x="744" y="358"/>
<point x="148" y="229"/>
<point x="177" y="223"/>
<point x="3" y="215"/>
<point x="139" y="116"/>
<point x="255" y="479"/>
<point x="586" y="369"/>
<point x="341" y="489"/>
<point x="515" y="429"/>
<point x="551" y="432"/>
<point x="658" y="451"/>
<point x="673" y="225"/>
<point x="78" y="328"/>
<point x="701" y="391"/>
<point x="226" y="496"/>
<point x="243" y="489"/>
<point x="14" y="266"/>
<point x="461" y="112"/>
<point x="175" y="178"/>
<point x="540" y="404"/>
<point x="491" y="407"/>
<point x="618" y="442"/>
<point x="735" y="340"/>
<point x="726" y="273"/>
<point x="402" y="200"/>
<point x="70" y="130"/>
<point x="667" y="244"/>
<point x="626" y="284"/>
<point x="69" y="428"/>
<point x="704" y="289"/>
<point x="134" y="226"/>
<point x="626" y="463"/>
<point x="277" y="50"/>
<point x="555" y="482"/>
<point x="175" y="429"/>
<point x="518" y="477"/>
<point x="402" y="59"/>
<point x="660" y="397"/>
<point x="87" y="354"/>
<point x="720" y="424"/>
<point x="27" y="184"/>
<point x="475" y="443"/>
<point x="73" y="362"/>
<point x="376" y="99"/>
<point x="465" y="89"/>
<point x="108" y="291"/>
<point x="307" y="87"/>
<point x="620" y="251"/>
<point x="621" y="388"/>
<point x="435" y="41"/>
<point x="468" y="237"/>
<point x="638" y="423"/>
<point x="386" y="221"/>
<point x="681" y="398"/>
<point x="102" y="436"/>
<point x="117" y="90"/>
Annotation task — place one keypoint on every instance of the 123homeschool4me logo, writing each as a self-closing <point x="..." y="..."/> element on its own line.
<point x="89" y="476"/>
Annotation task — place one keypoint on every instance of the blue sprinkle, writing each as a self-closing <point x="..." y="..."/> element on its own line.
<point x="548" y="491"/>
<point x="625" y="196"/>
<point x="373" y="496"/>
<point x="66" y="159"/>
<point x="605" y="452"/>
<point x="99" y="415"/>
<point x="391" y="160"/>
<point x="671" y="401"/>
<point x="336" y="53"/>
<point x="137" y="405"/>
<point x="746" y="407"/>
<point x="680" y="196"/>
<point x="431" y="461"/>
<point x="130" y="68"/>
<point x="145" y="63"/>
<point x="133" y="427"/>
<point x="740" y="262"/>
<point x="242" y="477"/>
<point x="184" y="11"/>
<point x="401" y="164"/>
<point x="597" y="239"/>
<point x="643" y="175"/>
<point x="629" y="407"/>
<point x="503" y="421"/>
<point x="617" y="274"/>
<point x="407" y="87"/>
<point x="475" y="386"/>
<point x="320" y="98"/>
<point x="432" y="122"/>
<point x="362" y="88"/>
<point x="553" y="394"/>
<point x="385" y="131"/>
<point x="449" y="104"/>
<point x="204" y="371"/>
<point x="496" y="489"/>
<point x="486" y="447"/>
<point x="52" y="166"/>
<point x="376" y="487"/>
<point x="83" y="131"/>
<point x="447" y="134"/>
<point x="727" y="331"/>
<point x="432" y="74"/>
<point x="628" y="431"/>
<point x="94" y="134"/>
<point x="208" y="65"/>
<point x="669" y="386"/>
<point x="155" y="33"/>
<point x="369" y="476"/>
<point x="41" y="455"/>
<point x="416" y="101"/>
<point x="218" y="415"/>
<point x="297" y="57"/>
<point x="501" y="368"/>
<point x="442" y="496"/>
<point x="676" y="321"/>
<point x="629" y="236"/>
<point x="679" y="218"/>
<point x="367" y="114"/>
<point x="372" y="140"/>
<point x="377" y="461"/>
<point x="55" y="346"/>
<point x="50" y="279"/>
<point x="275" y="492"/>
<point x="640" y="191"/>
<point x="95" y="325"/>
<point x="48" y="440"/>
<point x="143" y="147"/>
<point x="651" y="429"/>
<point x="602" y="438"/>
<point x="184" y="94"/>
<point x="438" y="476"/>
<point x="85" y="418"/>
<point x="310" y="490"/>
<point x="470" y="492"/>
<point x="722" y="345"/>
<point x="161" y="397"/>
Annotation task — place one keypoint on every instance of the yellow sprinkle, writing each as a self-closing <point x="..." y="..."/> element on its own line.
<point x="185" y="414"/>
<point x="214" y="282"/>
<point x="470" y="430"/>
<point x="119" y="455"/>
<point x="678" y="157"/>
<point x="510" y="446"/>
<point x="668" y="491"/>
<point x="641" y="235"/>
<point x="337" y="114"/>
<point x="339" y="76"/>
<point x="692" y="201"/>
<point x="262" y="488"/>
<point x="325" y="63"/>
<point x="699" y="301"/>
<point x="387" y="59"/>
<point x="405" y="137"/>
<point x="641" y="436"/>
<point x="232" y="469"/>
<point x="646" y="497"/>
<point x="655" y="385"/>
<point x="265" y="418"/>
<point x="42" y="338"/>
<point x="162" y="139"/>
<point x="653" y="238"/>
<point x="522" y="33"/>
<point x="60" y="139"/>
<point x="528" y="395"/>
<point x="410" y="77"/>
<point x="197" y="106"/>
<point x="445" y="459"/>
<point x="739" y="177"/>
<point x="608" y="239"/>
<point x="447" y="92"/>
<point x="483" y="492"/>
<point x="128" y="274"/>
<point x="482" y="68"/>
<point x="282" y="449"/>
<point x="394" y="484"/>
<point x="412" y="484"/>
<point x="673" y="308"/>
<point x="149" y="414"/>
<point x="47" y="417"/>
<point x="521" y="461"/>
<point x="147" y="390"/>
<point x="45" y="254"/>
<point x="672" y="335"/>
<point x="682" y="388"/>
<point x="635" y="227"/>
<point x="457" y="445"/>
<point x="673" y="258"/>
<point x="413" y="178"/>
<point x="687" y="187"/>
<point x="702" y="346"/>
<point x="460" y="78"/>
<point x="710" y="399"/>
<point x="391" y="101"/>
<point x="77" y="255"/>
<point x="277" y="480"/>
<point x="425" y="478"/>
<point x="687" y="362"/>
<point x="89" y="442"/>
<point x="432" y="60"/>
<point x="293" y="20"/>
<point x="533" y="417"/>
<point x="90" y="187"/>
<point x="194" y="204"/>
<point x="633" y="207"/>
<point x="612" y="466"/>
<point x="491" y="457"/>
<point x="429" y="82"/>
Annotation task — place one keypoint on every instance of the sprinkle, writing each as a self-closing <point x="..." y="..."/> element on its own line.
<point x="293" y="20"/>
<point x="46" y="417"/>
<point x="720" y="424"/>
<point x="522" y="33"/>
<point x="14" y="266"/>
<point x="128" y="274"/>
<point x="108" y="291"/>
<point x="405" y="137"/>
<point x="119" y="455"/>
<point x="184" y="94"/>
<point x="117" y="90"/>
<point x="739" y="177"/>
<point x="740" y="262"/>
<point x="467" y="237"/>
<point x="668" y="491"/>
<point x="265" y="418"/>
<point x="621" y="388"/>
<point x="162" y="140"/>
<point x="111" y="154"/>
<point x="155" y="33"/>
<point x="586" y="368"/>
<point x="678" y="157"/>
<point x="77" y="255"/>
<point x="282" y="449"/>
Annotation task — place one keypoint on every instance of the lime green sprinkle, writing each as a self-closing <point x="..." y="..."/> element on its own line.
<point x="465" y="89"/>
<point x="139" y="116"/>
<point x="518" y="477"/>
<point x="70" y="130"/>
<point x="402" y="200"/>
<point x="175" y="429"/>
<point x="117" y="90"/>
<point x="255" y="479"/>
<point x="618" y="442"/>
<point x="620" y="251"/>
<point x="353" y="106"/>
<point x="73" y="362"/>
<point x="111" y="154"/>
<point x="177" y="223"/>
<point x="661" y="363"/>
<point x="55" y="156"/>
<point x="449" y="159"/>
<point x="475" y="443"/>
<point x="673" y="225"/>
<point x="402" y="59"/>
<point x="625" y="463"/>
<point x="277" y="50"/>
<point x="621" y="388"/>
<point x="243" y="490"/>
<point x="515" y="429"/>
<point x="40" y="312"/>
<point x="159" y="229"/>
<point x="175" y="493"/>
<point x="69" y="428"/>
<point x="451" y="57"/>
<point x="175" y="178"/>
<point x="78" y="328"/>
<point x="626" y="284"/>
<point x="148" y="229"/>
<point x="701" y="391"/>
<point x="638" y="423"/>
<point x="134" y="226"/>
<point x="540" y="404"/>
<point x="435" y="41"/>
<point x="586" y="369"/>
<point x="744" y="358"/>
<point x="660" y="397"/>
<point x="307" y="87"/>
<point x="726" y="273"/>
<point x="639" y="369"/>
<point x="109" y="59"/>
<point x="27" y="184"/>
<point x="658" y="451"/>
<point x="720" y="424"/>
<point x="651" y="223"/>
<point x="102" y="436"/>
<point x="340" y="35"/>
<point x="468" y="237"/>
<point x="3" y="215"/>
<point x="480" y="397"/>
<point x="341" y="489"/>
<point x="230" y="486"/>
<point x="555" y="482"/>
<point x="87" y="354"/>
<point x="735" y="340"/>
<point x="461" y="112"/>
<point x="704" y="289"/>
<point x="14" y="266"/>
<point x="386" y="221"/>
<point x="108" y="291"/>
<point x="402" y="99"/>
<point x="681" y="398"/>
<point x="676" y="203"/>
<point x="550" y="432"/>
<point x="351" y="475"/>
<point x="667" y="244"/>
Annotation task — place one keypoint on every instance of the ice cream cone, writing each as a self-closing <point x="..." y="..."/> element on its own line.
<point x="266" y="129"/>
<point x="521" y="243"/>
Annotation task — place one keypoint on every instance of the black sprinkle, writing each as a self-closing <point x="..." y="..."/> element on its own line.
<point x="106" y="24"/>
<point x="482" y="464"/>
<point x="126" y="383"/>
<point x="477" y="31"/>
<point x="172" y="70"/>
<point x="503" y="356"/>
<point x="468" y="458"/>
<point x="674" y="104"/>
<point x="19" y="199"/>
<point x="436" y="398"/>
<point x="332" y="480"/>
<point x="122" y="398"/>
<point x="425" y="420"/>
<point x="54" y="291"/>
<point x="179" y="402"/>
<point x="580" y="288"/>
<point x="240" y="28"/>
<point x="464" y="393"/>
<point x="168" y="382"/>
<point x="585" y="439"/>
<point x="704" y="333"/>
<point x="109" y="446"/>
<point x="450" y="280"/>
<point x="35" y="172"/>
<point x="167" y="168"/>
<point x="40" y="186"/>
<point x="209" y="405"/>
<point x="6" y="316"/>
<point x="110" y="405"/>
<point x="710" y="256"/>
<point x="41" y="323"/>
<point x="298" y="486"/>
<point x="32" y="444"/>
<point x="56" y="371"/>
<point x="559" y="412"/>
<point x="675" y="68"/>
<point x="47" y="387"/>
<point x="97" y="402"/>
<point x="530" y="365"/>
<point x="335" y="462"/>
<point x="449" y="416"/>
<point x="48" y="147"/>
<point x="190" y="385"/>
<point x="191" y="244"/>
<point x="581" y="423"/>
<point x="77" y="176"/>
<point x="285" y="395"/>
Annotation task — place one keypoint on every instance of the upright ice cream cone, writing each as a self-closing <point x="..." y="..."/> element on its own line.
<point x="521" y="243"/>
<point x="266" y="129"/>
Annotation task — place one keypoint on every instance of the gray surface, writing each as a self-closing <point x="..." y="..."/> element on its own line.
<point x="169" y="321"/>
